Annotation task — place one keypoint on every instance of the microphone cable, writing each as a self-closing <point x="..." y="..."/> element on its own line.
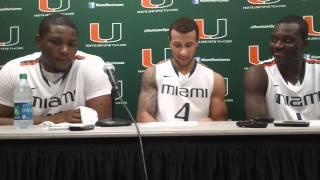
<point x="109" y="69"/>
<point x="139" y="134"/>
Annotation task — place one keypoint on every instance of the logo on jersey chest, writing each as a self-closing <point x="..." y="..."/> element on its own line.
<point x="65" y="98"/>
<point x="185" y="92"/>
<point x="305" y="100"/>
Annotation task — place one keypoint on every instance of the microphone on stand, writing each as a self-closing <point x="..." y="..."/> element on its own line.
<point x="109" y="69"/>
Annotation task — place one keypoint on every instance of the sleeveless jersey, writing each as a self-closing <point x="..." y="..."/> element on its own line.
<point x="85" y="80"/>
<point x="183" y="97"/>
<point x="293" y="102"/>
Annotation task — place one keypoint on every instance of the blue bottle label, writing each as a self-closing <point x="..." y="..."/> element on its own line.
<point x="23" y="111"/>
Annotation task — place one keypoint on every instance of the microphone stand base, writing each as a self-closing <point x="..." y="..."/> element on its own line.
<point x="112" y="122"/>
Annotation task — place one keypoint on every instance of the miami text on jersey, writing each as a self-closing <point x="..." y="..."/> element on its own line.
<point x="185" y="92"/>
<point x="297" y="100"/>
<point x="54" y="101"/>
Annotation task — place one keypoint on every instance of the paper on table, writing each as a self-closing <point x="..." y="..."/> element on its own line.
<point x="171" y="124"/>
<point x="314" y="122"/>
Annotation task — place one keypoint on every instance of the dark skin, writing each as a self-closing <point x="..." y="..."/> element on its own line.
<point x="287" y="47"/>
<point x="59" y="47"/>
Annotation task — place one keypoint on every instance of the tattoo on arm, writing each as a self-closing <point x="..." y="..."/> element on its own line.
<point x="148" y="95"/>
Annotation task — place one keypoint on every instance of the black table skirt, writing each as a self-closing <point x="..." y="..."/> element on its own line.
<point x="294" y="157"/>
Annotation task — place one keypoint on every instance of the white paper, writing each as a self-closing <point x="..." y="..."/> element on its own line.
<point x="171" y="124"/>
<point x="314" y="123"/>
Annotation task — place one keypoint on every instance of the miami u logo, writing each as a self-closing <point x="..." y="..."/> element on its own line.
<point x="13" y="37"/>
<point x="254" y="54"/>
<point x="116" y="33"/>
<point x="262" y="2"/>
<point x="120" y="85"/>
<point x="147" y="56"/>
<point x="221" y="30"/>
<point x="148" y="4"/>
<point x="309" y="20"/>
<point x="63" y="6"/>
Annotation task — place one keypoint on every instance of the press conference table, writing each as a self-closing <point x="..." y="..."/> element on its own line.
<point x="214" y="150"/>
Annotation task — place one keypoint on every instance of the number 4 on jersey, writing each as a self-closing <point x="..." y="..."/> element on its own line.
<point x="183" y="112"/>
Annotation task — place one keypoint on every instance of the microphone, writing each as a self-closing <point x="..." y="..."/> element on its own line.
<point x="109" y="69"/>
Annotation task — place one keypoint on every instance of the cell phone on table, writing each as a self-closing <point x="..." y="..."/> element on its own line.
<point x="81" y="127"/>
<point x="252" y="124"/>
<point x="292" y="123"/>
<point x="263" y="119"/>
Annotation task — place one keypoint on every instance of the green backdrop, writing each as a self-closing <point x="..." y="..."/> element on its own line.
<point x="132" y="34"/>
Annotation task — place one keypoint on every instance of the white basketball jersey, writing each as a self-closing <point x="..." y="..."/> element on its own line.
<point x="293" y="102"/>
<point x="183" y="97"/>
<point x="85" y="80"/>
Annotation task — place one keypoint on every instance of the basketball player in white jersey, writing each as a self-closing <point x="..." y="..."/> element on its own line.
<point x="286" y="87"/>
<point x="180" y="88"/>
<point x="60" y="79"/>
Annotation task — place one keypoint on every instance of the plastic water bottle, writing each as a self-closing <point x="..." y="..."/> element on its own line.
<point x="23" y="104"/>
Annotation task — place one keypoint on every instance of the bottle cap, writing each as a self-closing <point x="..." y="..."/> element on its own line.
<point x="23" y="76"/>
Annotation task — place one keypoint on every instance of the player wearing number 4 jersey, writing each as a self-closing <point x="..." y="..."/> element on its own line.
<point x="181" y="89"/>
<point x="286" y="87"/>
<point x="180" y="96"/>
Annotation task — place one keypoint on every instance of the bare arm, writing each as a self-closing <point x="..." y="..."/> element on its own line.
<point x="218" y="107"/>
<point x="6" y="115"/>
<point x="102" y="104"/>
<point x="147" y="105"/>
<point x="70" y="116"/>
<point x="256" y="84"/>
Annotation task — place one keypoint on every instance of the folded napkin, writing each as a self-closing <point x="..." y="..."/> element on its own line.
<point x="88" y="115"/>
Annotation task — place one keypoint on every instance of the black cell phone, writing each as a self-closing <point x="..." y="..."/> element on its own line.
<point x="252" y="124"/>
<point x="292" y="123"/>
<point x="81" y="127"/>
<point x="263" y="119"/>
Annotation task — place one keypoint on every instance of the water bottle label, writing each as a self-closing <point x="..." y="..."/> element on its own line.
<point x="23" y="111"/>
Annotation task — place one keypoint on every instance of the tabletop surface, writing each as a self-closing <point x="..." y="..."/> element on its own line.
<point x="219" y="128"/>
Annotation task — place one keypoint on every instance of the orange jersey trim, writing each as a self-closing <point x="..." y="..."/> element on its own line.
<point x="29" y="62"/>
